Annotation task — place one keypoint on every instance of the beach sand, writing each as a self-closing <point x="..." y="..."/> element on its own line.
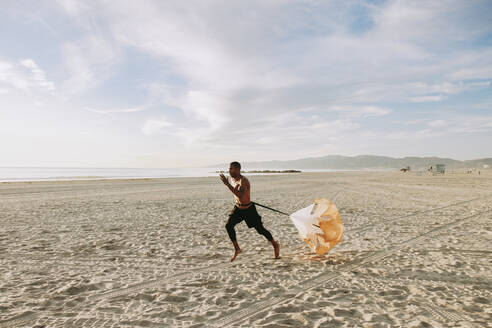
<point x="416" y="252"/>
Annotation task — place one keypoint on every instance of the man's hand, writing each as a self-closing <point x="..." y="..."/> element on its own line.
<point x="224" y="179"/>
<point x="237" y="191"/>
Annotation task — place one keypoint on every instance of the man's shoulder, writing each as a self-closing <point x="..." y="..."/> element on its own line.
<point x="244" y="180"/>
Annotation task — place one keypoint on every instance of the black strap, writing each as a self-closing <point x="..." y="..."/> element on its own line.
<point x="272" y="209"/>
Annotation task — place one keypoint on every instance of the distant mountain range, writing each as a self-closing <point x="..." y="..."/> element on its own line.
<point x="337" y="162"/>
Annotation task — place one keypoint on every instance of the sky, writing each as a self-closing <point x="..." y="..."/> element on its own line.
<point x="158" y="84"/>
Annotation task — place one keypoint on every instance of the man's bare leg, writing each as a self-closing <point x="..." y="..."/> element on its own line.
<point x="237" y="250"/>
<point x="276" y="248"/>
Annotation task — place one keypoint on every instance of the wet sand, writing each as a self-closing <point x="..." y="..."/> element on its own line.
<point x="155" y="253"/>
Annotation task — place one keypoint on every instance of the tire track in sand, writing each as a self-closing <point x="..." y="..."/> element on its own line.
<point x="166" y="279"/>
<point x="262" y="306"/>
<point x="30" y="317"/>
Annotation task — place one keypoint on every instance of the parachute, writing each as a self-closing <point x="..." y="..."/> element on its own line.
<point x="319" y="225"/>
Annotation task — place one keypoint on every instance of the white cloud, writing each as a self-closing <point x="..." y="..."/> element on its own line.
<point x="470" y="124"/>
<point x="243" y="70"/>
<point x="412" y="135"/>
<point x="454" y="88"/>
<point x="24" y="75"/>
<point x="461" y="125"/>
<point x="361" y="111"/>
<point x="261" y="49"/>
<point x="38" y="75"/>
<point x="74" y="7"/>
<point x="155" y="126"/>
<point x="453" y="126"/>
<point x="437" y="124"/>
<point x="116" y="110"/>
<point x="483" y="84"/>
<point x="427" y="99"/>
<point x="39" y="104"/>
<point x="11" y="78"/>
<point x="283" y="75"/>
<point x="472" y="73"/>
<point x="417" y="91"/>
<point x="89" y="62"/>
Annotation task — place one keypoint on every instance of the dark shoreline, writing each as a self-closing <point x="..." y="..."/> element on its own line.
<point x="265" y="171"/>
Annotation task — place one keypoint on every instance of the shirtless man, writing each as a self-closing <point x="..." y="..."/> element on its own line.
<point x="244" y="209"/>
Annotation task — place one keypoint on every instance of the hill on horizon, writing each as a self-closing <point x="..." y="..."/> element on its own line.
<point x="338" y="162"/>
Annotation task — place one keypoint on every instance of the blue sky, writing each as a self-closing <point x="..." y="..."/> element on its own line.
<point x="194" y="83"/>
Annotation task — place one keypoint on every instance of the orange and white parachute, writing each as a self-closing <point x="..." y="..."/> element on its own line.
<point x="319" y="225"/>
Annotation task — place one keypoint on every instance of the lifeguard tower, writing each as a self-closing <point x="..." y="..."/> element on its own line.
<point x="440" y="168"/>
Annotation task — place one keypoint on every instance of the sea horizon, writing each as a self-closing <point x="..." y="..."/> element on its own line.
<point x="36" y="173"/>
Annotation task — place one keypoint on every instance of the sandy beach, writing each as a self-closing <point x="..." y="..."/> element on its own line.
<point x="155" y="253"/>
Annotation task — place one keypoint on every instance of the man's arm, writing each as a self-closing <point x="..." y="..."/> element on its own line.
<point x="238" y="192"/>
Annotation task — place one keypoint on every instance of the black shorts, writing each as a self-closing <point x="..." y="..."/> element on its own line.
<point x="250" y="215"/>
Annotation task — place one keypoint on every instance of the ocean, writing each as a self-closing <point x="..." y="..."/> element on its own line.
<point x="12" y="174"/>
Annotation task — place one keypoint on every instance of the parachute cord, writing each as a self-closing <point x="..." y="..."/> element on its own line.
<point x="272" y="209"/>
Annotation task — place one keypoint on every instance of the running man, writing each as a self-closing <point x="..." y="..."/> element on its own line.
<point x="244" y="209"/>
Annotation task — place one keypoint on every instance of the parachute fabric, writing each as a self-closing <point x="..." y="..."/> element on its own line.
<point x="319" y="225"/>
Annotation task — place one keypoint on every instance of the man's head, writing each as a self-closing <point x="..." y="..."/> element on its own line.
<point x="235" y="169"/>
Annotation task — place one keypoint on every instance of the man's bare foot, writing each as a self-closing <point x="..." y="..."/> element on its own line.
<point x="236" y="253"/>
<point x="276" y="248"/>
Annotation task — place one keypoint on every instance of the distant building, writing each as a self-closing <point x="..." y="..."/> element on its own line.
<point x="440" y="168"/>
